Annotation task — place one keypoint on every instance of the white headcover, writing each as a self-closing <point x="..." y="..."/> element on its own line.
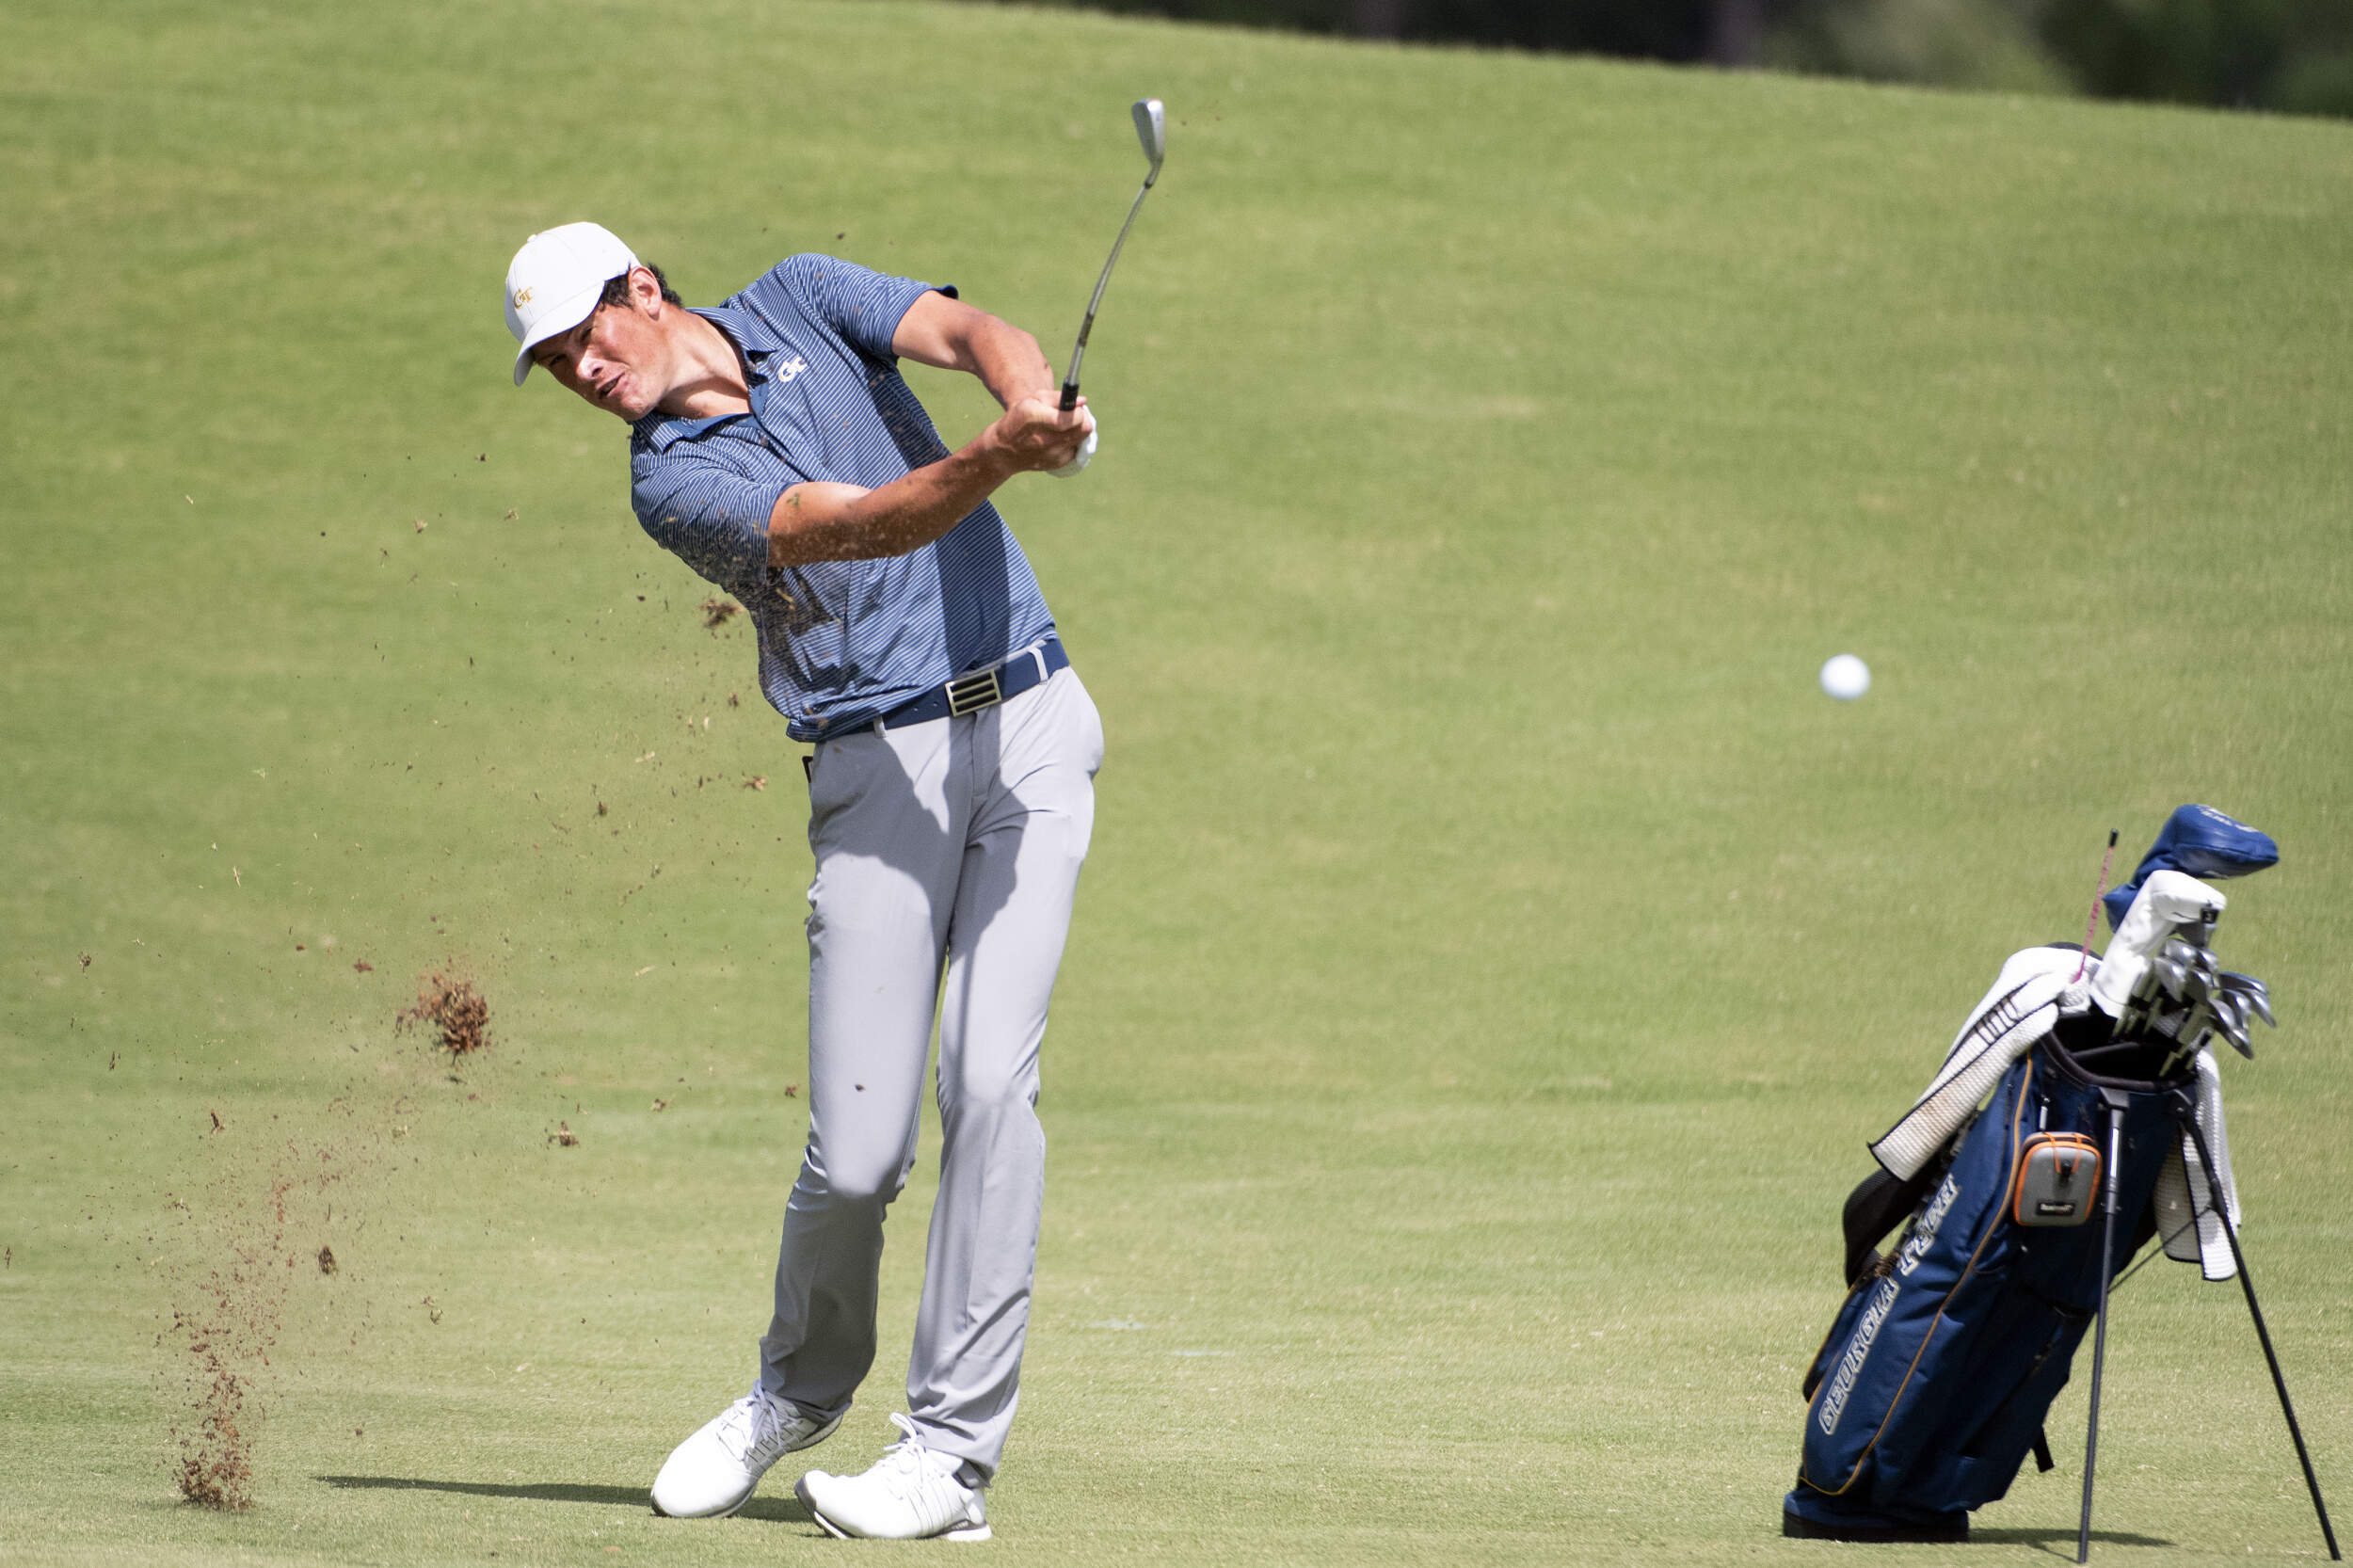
<point x="2167" y="901"/>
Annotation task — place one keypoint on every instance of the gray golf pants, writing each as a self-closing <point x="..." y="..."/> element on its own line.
<point x="953" y="844"/>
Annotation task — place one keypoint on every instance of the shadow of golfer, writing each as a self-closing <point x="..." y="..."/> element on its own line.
<point x="777" y="1510"/>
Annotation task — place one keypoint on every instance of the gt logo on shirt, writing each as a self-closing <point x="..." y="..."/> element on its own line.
<point x="791" y="368"/>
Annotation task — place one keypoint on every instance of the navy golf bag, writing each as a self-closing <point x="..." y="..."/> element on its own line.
<point x="1932" y="1384"/>
<point x="2077" y="1115"/>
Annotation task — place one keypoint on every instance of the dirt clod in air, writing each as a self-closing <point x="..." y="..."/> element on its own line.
<point x="455" y="1010"/>
<point x="327" y="1260"/>
<point x="718" y="610"/>
<point x="564" y="1137"/>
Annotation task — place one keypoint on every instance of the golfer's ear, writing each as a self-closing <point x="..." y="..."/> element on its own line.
<point x="644" y="291"/>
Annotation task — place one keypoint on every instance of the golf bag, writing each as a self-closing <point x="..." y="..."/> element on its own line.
<point x="2077" y="1115"/>
<point x="1930" y="1388"/>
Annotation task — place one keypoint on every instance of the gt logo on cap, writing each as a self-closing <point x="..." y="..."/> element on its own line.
<point x="522" y="298"/>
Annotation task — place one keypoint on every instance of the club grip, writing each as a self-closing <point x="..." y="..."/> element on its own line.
<point x="1069" y="395"/>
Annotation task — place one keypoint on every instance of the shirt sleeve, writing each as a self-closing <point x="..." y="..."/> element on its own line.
<point x="712" y="519"/>
<point x="861" y="304"/>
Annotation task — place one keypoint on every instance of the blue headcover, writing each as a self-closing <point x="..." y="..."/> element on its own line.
<point x="2202" y="841"/>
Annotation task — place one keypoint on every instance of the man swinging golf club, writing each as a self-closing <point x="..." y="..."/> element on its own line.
<point x="775" y="450"/>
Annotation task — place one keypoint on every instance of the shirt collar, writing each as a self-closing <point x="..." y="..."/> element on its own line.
<point x="751" y="334"/>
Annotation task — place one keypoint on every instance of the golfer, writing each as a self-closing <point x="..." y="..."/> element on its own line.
<point x="775" y="450"/>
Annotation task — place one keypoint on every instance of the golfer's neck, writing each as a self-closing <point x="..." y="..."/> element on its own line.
<point x="711" y="378"/>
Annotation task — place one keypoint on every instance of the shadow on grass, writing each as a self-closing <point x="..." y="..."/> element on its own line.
<point x="780" y="1510"/>
<point x="2050" y="1540"/>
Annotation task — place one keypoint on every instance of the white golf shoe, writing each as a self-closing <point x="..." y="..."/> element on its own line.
<point x="715" y="1472"/>
<point x="913" y="1493"/>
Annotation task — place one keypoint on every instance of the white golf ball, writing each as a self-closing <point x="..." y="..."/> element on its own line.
<point x="1846" y="677"/>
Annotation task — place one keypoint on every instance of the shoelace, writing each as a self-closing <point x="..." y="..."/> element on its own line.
<point x="916" y="1473"/>
<point x="749" y="1425"/>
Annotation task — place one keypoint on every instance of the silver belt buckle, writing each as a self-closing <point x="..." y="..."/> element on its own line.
<point x="970" y="693"/>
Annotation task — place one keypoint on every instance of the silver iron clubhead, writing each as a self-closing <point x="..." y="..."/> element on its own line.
<point x="1152" y="131"/>
<point x="2255" y="993"/>
<point x="2231" y="1018"/>
<point x="2173" y="976"/>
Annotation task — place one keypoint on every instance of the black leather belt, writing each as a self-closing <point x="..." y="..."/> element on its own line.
<point x="968" y="694"/>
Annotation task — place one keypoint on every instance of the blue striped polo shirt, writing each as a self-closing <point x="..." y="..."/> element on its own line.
<point x="840" y="641"/>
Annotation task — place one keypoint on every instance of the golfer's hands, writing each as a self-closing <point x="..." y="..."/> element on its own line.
<point x="1076" y="466"/>
<point x="1035" y="436"/>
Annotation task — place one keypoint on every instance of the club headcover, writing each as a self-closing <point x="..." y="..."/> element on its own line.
<point x="2167" y="902"/>
<point x="2202" y="841"/>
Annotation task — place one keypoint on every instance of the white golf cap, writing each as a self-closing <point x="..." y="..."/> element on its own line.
<point x="555" y="279"/>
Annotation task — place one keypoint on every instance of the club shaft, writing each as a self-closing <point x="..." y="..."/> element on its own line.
<point x="1078" y="352"/>
<point x="2246" y="1283"/>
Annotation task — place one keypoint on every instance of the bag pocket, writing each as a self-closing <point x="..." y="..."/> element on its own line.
<point x="2021" y="1361"/>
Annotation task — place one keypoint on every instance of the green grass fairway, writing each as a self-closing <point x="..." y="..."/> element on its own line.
<point x="1495" y="953"/>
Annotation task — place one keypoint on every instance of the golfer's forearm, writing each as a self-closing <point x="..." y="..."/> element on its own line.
<point x="1008" y="361"/>
<point x="948" y="334"/>
<point x="843" y="523"/>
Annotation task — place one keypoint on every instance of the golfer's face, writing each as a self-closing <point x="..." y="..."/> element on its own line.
<point x="608" y="360"/>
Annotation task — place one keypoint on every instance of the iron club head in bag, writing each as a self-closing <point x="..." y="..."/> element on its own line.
<point x="2253" y="992"/>
<point x="2230" y="1018"/>
<point x="2173" y="976"/>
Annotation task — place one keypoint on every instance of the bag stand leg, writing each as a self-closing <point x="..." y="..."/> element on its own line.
<point x="2185" y="1113"/>
<point x="2116" y="1103"/>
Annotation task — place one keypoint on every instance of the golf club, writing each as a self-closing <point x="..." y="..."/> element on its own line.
<point x="2173" y="976"/>
<point x="2191" y="956"/>
<point x="2231" y="1018"/>
<point x="2253" y="992"/>
<point x="1152" y="131"/>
